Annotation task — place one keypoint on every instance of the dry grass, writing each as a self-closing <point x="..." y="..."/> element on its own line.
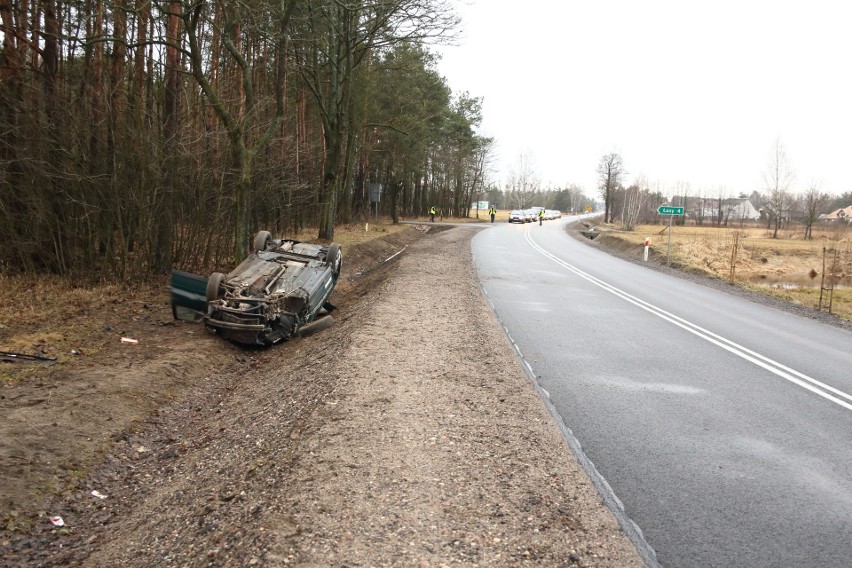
<point x="353" y="234"/>
<point x="788" y="267"/>
<point x="52" y="317"/>
<point x="41" y="306"/>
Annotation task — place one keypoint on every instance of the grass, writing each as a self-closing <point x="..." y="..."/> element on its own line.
<point x="353" y="234"/>
<point x="788" y="267"/>
<point x="46" y="315"/>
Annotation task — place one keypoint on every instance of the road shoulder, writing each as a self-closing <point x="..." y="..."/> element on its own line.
<point x="435" y="448"/>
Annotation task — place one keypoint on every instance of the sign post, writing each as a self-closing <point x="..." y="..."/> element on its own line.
<point x="647" y="244"/>
<point x="375" y="191"/>
<point x="671" y="212"/>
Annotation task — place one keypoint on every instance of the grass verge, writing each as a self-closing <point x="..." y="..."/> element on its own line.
<point x="790" y="268"/>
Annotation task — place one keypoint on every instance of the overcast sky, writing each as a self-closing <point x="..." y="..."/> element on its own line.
<point x="685" y="91"/>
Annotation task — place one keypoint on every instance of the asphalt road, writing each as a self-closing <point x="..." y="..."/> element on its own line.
<point x="724" y="427"/>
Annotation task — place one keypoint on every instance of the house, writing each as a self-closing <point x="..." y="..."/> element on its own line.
<point x="839" y="215"/>
<point x="739" y="209"/>
<point x="732" y="210"/>
<point x="768" y="213"/>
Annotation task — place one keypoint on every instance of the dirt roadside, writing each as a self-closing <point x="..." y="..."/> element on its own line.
<point x="406" y="434"/>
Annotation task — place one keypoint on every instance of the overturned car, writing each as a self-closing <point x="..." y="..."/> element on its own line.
<point x="279" y="288"/>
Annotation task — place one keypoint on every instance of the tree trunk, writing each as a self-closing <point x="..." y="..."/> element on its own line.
<point x="162" y="252"/>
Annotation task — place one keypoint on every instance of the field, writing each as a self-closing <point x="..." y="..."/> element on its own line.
<point x="814" y="273"/>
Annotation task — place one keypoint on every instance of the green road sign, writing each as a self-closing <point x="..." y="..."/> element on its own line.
<point x="666" y="210"/>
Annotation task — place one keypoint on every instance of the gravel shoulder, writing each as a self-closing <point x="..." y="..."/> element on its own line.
<point x="406" y="434"/>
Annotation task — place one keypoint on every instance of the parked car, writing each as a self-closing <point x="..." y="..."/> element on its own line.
<point x="280" y="287"/>
<point x="517" y="216"/>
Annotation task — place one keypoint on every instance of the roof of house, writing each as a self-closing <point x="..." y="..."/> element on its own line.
<point x="842" y="213"/>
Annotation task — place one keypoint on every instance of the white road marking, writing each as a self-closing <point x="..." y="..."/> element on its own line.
<point x="795" y="377"/>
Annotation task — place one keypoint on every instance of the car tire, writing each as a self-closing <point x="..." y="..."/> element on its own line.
<point x="214" y="286"/>
<point x="334" y="259"/>
<point x="261" y="240"/>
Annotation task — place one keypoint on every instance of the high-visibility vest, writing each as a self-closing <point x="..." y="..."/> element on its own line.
<point x="492" y="211"/>
<point x="432" y="210"/>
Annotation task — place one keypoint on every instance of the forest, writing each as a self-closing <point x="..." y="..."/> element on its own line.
<point x="140" y="135"/>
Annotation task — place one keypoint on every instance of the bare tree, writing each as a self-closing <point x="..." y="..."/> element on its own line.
<point x="778" y="177"/>
<point x="481" y="158"/>
<point x="682" y="198"/>
<point x="701" y="207"/>
<point x="239" y="120"/>
<point x="610" y="173"/>
<point x="635" y="197"/>
<point x="814" y="200"/>
<point x="720" y="214"/>
<point x="335" y="39"/>
<point x="523" y="184"/>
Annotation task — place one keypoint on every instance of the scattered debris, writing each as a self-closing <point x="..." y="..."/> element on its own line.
<point x="57" y="521"/>
<point x="98" y="494"/>
<point x="395" y="254"/>
<point x="129" y="340"/>
<point x="24" y="358"/>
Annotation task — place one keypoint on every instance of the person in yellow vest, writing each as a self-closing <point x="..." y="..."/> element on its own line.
<point x="432" y="213"/>
<point x="492" y="212"/>
<point x="540" y="216"/>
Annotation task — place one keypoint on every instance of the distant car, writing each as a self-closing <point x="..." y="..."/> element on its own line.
<point x="280" y="287"/>
<point x="517" y="216"/>
<point x="529" y="216"/>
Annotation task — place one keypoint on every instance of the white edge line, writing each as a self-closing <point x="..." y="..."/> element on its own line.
<point x="611" y="501"/>
<point x="738" y="350"/>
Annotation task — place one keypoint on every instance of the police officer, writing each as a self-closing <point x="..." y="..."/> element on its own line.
<point x="540" y="216"/>
<point x="492" y="212"/>
<point x="432" y="213"/>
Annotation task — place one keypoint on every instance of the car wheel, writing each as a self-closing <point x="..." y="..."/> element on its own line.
<point x="334" y="259"/>
<point x="261" y="240"/>
<point x="214" y="286"/>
